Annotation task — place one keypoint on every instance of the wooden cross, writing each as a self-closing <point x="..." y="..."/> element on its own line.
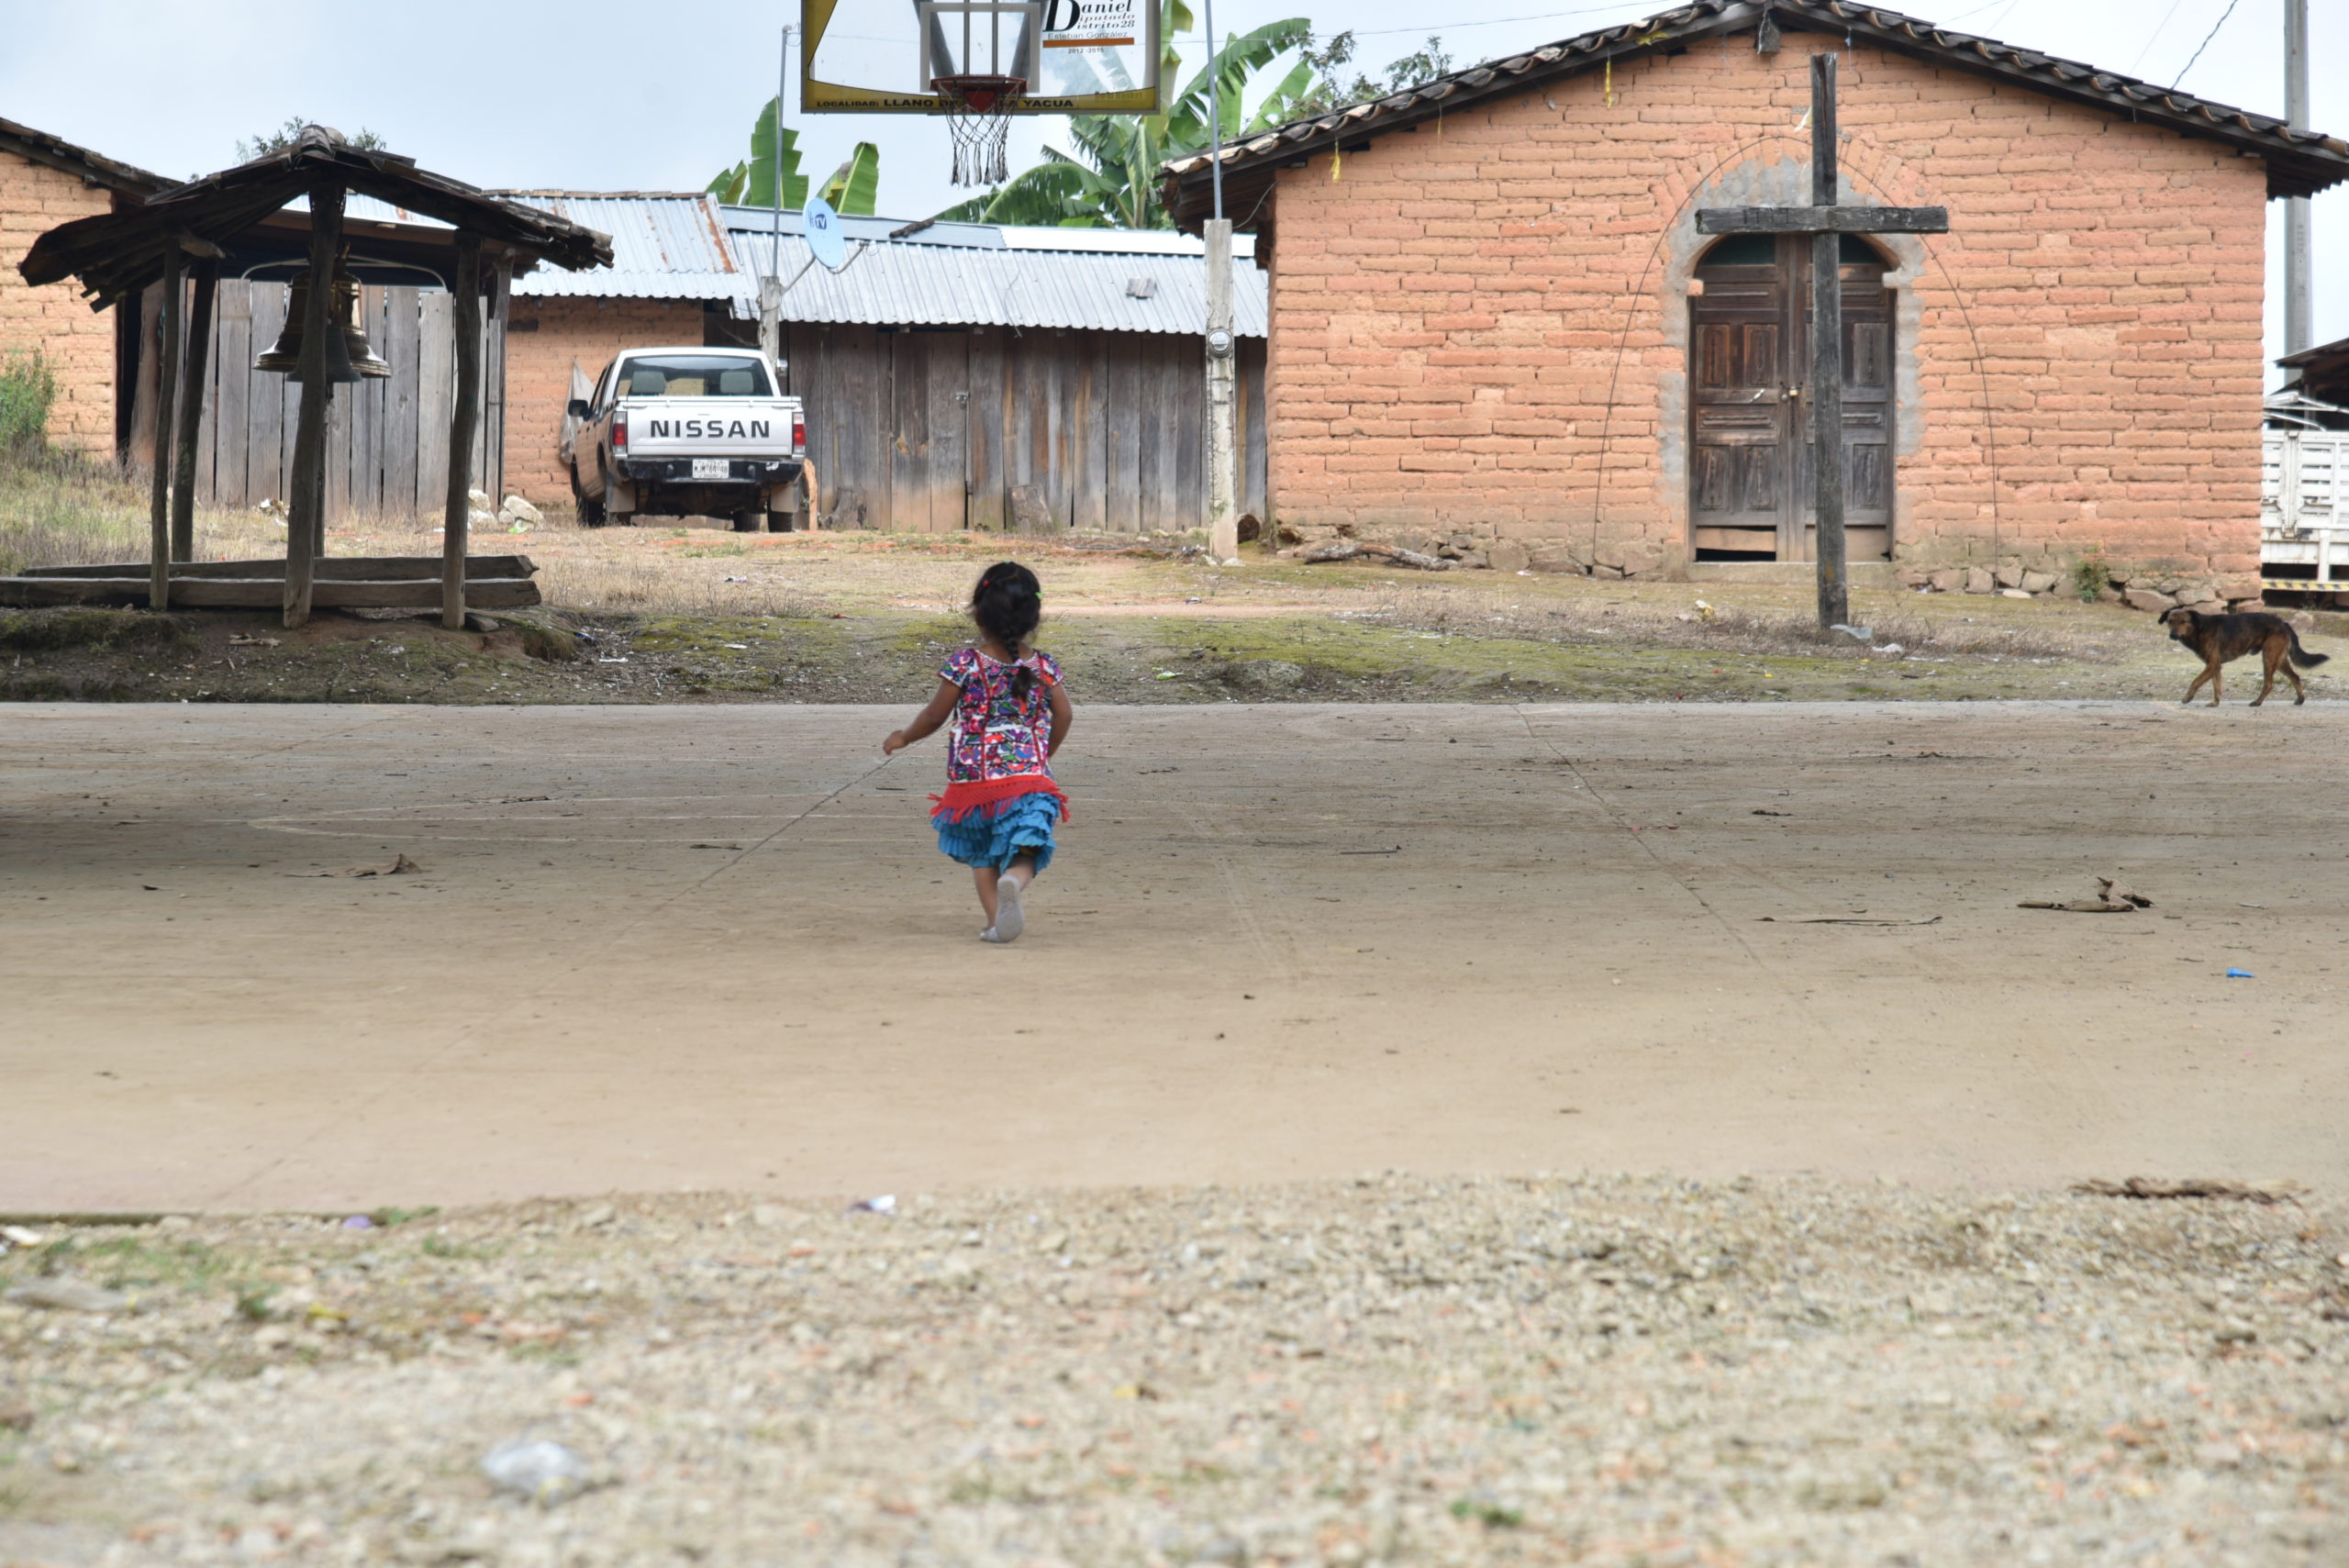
<point x="1826" y="223"/>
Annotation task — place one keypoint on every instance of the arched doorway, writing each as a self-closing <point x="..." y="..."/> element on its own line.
<point x="1749" y="424"/>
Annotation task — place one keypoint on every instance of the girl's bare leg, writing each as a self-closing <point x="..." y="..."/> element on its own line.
<point x="984" y="878"/>
<point x="1022" y="870"/>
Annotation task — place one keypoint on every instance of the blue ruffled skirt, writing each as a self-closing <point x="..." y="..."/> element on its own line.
<point x="999" y="835"/>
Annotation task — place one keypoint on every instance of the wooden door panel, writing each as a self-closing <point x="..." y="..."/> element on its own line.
<point x="1737" y="413"/>
<point x="1716" y="356"/>
<point x="1709" y="479"/>
<point x="1868" y="470"/>
<point x="1761" y="477"/>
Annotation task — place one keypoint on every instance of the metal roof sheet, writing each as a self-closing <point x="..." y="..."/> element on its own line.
<point x="749" y="221"/>
<point x="899" y="273"/>
<point x="665" y="245"/>
<point x="745" y="220"/>
<point x="897" y="284"/>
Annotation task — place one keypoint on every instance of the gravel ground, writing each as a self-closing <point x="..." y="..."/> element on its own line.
<point x="1391" y="1370"/>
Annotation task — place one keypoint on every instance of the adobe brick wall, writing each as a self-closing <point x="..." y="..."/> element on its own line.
<point x="538" y="374"/>
<point x="1473" y="323"/>
<point x="55" y="319"/>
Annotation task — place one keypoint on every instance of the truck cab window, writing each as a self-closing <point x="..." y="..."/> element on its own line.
<point x="695" y="375"/>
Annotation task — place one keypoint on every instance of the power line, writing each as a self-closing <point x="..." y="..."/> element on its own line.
<point x="2206" y="41"/>
<point x="2174" y="4"/>
<point x="1498" y="21"/>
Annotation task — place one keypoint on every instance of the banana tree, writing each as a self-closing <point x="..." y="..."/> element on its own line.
<point x="1111" y="179"/>
<point x="855" y="185"/>
<point x="751" y="182"/>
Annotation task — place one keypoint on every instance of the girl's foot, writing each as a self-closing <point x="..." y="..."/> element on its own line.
<point x="988" y="935"/>
<point x="1009" y="919"/>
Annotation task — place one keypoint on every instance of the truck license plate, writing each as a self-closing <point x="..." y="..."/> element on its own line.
<point x="713" y="468"/>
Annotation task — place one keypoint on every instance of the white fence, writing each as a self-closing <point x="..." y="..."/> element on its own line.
<point x="2302" y="522"/>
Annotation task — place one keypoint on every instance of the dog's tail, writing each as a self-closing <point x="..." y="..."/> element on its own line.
<point x="2302" y="657"/>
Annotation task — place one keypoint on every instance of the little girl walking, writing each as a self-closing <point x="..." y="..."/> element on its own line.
<point x="1009" y="716"/>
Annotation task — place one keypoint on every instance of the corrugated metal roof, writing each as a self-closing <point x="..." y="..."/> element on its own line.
<point x="899" y="273"/>
<point x="897" y="284"/>
<point x="747" y="220"/>
<point x="665" y="245"/>
<point x="741" y="220"/>
<point x="1120" y="242"/>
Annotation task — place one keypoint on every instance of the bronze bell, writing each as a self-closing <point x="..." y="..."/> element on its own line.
<point x="349" y="356"/>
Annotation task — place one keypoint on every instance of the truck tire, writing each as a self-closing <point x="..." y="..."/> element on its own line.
<point x="747" y="522"/>
<point x="590" y="508"/>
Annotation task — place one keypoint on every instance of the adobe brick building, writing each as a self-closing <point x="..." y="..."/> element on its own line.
<point x="1492" y="314"/>
<point x="44" y="182"/>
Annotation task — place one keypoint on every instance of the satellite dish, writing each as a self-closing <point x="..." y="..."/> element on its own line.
<point x="822" y="227"/>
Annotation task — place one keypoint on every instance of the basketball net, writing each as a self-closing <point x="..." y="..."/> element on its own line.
<point x="978" y="114"/>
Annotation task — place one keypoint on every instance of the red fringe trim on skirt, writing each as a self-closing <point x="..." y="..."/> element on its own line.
<point x="987" y="797"/>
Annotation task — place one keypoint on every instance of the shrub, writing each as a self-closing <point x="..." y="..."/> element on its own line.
<point x="2092" y="574"/>
<point x="28" y="392"/>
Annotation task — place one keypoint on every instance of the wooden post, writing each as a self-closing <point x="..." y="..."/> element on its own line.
<point x="1827" y="357"/>
<point x="1826" y="224"/>
<point x="306" y="524"/>
<point x="158" y="509"/>
<point x="457" y="515"/>
<point x="1223" y="512"/>
<point x="199" y="345"/>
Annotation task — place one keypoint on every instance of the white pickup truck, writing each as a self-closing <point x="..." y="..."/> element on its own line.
<point x="686" y="432"/>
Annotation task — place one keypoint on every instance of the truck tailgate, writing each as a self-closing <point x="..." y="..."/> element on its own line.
<point x="707" y="427"/>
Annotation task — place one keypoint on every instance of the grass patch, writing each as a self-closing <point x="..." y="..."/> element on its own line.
<point x="647" y="582"/>
<point x="82" y="626"/>
<point x="146" y="1263"/>
<point x="28" y="392"/>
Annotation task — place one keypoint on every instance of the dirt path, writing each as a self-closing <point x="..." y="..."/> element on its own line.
<point x="1606" y="1372"/>
<point x="661" y="946"/>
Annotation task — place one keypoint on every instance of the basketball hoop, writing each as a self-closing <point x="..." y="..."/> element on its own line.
<point x="978" y="113"/>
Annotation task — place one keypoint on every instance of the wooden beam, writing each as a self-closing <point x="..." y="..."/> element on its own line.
<point x="1827" y="354"/>
<point x="1827" y="219"/>
<point x="159" y="505"/>
<point x="199" y="346"/>
<point x="305" y="522"/>
<point x="456" y="517"/>
<point x="267" y="593"/>
<point x="333" y="569"/>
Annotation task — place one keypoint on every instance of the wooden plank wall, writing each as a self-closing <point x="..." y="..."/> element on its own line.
<point x="387" y="441"/>
<point x="931" y="431"/>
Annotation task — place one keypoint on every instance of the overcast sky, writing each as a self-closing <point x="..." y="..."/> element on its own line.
<point x="617" y="94"/>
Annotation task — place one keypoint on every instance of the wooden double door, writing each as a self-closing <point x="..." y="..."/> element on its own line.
<point x="1749" y="443"/>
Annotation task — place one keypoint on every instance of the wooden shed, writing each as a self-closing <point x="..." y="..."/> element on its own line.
<point x="955" y="373"/>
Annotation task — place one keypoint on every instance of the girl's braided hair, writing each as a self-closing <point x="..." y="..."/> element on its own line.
<point x="1008" y="604"/>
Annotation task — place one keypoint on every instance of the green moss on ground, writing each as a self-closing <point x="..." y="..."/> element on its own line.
<point x="84" y="626"/>
<point x="893" y="657"/>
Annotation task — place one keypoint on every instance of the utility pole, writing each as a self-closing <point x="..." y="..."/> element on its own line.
<point x="1223" y="511"/>
<point x="2299" y="324"/>
<point x="770" y="286"/>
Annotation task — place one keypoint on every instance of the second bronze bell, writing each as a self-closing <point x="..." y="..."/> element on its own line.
<point x="349" y="357"/>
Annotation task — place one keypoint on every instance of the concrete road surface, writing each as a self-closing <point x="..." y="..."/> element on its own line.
<point x="653" y="948"/>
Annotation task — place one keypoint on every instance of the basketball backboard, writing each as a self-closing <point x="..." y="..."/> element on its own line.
<point x="1078" y="57"/>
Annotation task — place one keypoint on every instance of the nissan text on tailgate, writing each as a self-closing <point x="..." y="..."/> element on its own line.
<point x="689" y="432"/>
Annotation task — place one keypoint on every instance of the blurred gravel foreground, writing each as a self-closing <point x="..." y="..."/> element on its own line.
<point x="1387" y="1370"/>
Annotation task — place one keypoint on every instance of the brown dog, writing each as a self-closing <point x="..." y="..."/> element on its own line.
<point x="2220" y="638"/>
